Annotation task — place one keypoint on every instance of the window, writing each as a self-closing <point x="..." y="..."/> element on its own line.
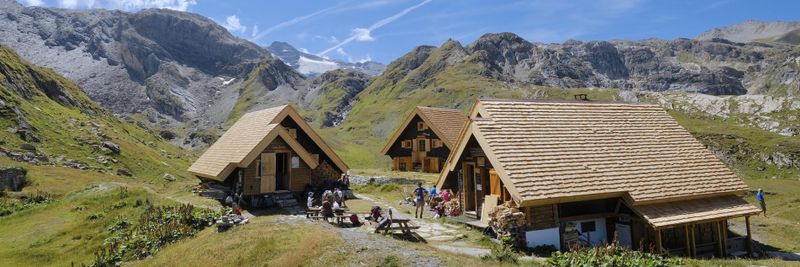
<point x="405" y="144"/>
<point x="421" y="145"/>
<point x="588" y="226"/>
<point x="402" y="166"/>
<point x="437" y="143"/>
<point x="295" y="162"/>
<point x="421" y="126"/>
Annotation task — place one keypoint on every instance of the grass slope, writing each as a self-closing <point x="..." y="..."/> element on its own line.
<point x="72" y="227"/>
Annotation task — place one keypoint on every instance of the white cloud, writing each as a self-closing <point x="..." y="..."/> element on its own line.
<point x="33" y="2"/>
<point x="255" y="31"/>
<point x="358" y="34"/>
<point x="127" y="5"/>
<point x="341" y="52"/>
<point x="233" y="24"/>
<point x="362" y="35"/>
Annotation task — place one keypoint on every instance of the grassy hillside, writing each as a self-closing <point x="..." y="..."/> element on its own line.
<point x="41" y="109"/>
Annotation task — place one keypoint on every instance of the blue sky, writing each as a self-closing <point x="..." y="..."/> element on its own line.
<point x="382" y="30"/>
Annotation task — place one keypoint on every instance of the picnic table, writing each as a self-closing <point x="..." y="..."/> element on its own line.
<point x="403" y="224"/>
<point x="338" y="214"/>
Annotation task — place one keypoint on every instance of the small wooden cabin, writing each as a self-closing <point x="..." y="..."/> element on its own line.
<point x="423" y="141"/>
<point x="589" y="172"/>
<point x="268" y="151"/>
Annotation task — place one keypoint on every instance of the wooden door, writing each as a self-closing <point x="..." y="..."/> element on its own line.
<point x="469" y="186"/>
<point x="268" y="172"/>
<point x="494" y="183"/>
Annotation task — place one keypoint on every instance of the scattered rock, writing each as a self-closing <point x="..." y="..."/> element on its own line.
<point x="28" y="147"/>
<point x="169" y="177"/>
<point x="124" y="172"/>
<point x="75" y="164"/>
<point x="112" y="146"/>
<point x="13" y="178"/>
<point x="166" y="134"/>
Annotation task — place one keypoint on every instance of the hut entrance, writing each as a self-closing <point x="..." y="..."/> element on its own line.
<point x="282" y="171"/>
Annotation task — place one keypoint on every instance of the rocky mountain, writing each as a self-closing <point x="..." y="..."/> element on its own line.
<point x="312" y="65"/>
<point x="756" y="31"/>
<point x="166" y="67"/>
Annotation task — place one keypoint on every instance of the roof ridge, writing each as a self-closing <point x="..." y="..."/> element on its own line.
<point x="438" y="108"/>
<point x="549" y="101"/>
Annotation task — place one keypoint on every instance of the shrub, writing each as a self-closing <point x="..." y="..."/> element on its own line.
<point x="504" y="252"/>
<point x="155" y="228"/>
<point x="390" y="187"/>
<point x="390" y="261"/>
<point x="543" y="250"/>
<point x="11" y="205"/>
<point x="610" y="255"/>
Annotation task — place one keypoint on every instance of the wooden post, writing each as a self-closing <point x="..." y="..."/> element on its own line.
<point x="658" y="241"/>
<point x="749" y="237"/>
<point x="724" y="224"/>
<point x="694" y="245"/>
<point x="688" y="244"/>
<point x="718" y="229"/>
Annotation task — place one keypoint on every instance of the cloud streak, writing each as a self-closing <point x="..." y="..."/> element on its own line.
<point x="361" y="34"/>
<point x="290" y="22"/>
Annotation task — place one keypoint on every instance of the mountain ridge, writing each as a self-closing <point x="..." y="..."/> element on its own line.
<point x="313" y="65"/>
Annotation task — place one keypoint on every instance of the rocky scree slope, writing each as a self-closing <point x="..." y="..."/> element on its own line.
<point x="754" y="30"/>
<point x="162" y="66"/>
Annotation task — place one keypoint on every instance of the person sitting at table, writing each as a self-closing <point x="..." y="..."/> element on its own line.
<point x="310" y="200"/>
<point x="327" y="208"/>
<point x="375" y="214"/>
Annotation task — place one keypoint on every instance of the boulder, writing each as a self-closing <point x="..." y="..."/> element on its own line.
<point x="124" y="172"/>
<point x="13" y="178"/>
<point x="28" y="147"/>
<point x="166" y="134"/>
<point x="169" y="177"/>
<point x="112" y="146"/>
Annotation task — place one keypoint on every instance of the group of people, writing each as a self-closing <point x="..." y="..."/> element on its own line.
<point x="331" y="200"/>
<point x="434" y="201"/>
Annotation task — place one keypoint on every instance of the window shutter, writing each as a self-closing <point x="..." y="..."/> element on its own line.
<point x="427" y="145"/>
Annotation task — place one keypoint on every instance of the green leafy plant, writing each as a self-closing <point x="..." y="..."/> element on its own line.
<point x="155" y="228"/>
<point x="610" y="255"/>
<point x="505" y="252"/>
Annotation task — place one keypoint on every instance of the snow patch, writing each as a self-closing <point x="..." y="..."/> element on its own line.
<point x="308" y="65"/>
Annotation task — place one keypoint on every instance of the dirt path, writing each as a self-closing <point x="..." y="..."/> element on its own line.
<point x="442" y="236"/>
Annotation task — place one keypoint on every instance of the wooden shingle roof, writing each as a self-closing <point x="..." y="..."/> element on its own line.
<point x="446" y="123"/>
<point x="549" y="152"/>
<point x="696" y="210"/>
<point x="243" y="141"/>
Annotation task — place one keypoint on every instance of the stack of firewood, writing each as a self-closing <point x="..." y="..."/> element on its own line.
<point x="507" y="220"/>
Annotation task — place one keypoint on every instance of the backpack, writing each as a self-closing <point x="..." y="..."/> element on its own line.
<point x="354" y="220"/>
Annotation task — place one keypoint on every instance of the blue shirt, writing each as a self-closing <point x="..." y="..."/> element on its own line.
<point x="420" y="193"/>
<point x="433" y="191"/>
<point x="760" y="196"/>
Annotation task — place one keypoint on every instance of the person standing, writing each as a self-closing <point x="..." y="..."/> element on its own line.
<point x="420" y="200"/>
<point x="760" y="197"/>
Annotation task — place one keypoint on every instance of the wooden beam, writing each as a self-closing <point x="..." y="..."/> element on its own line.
<point x="694" y="244"/>
<point x="658" y="242"/>
<point x="724" y="224"/>
<point x="749" y="237"/>
<point x="718" y="230"/>
<point x="688" y="244"/>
